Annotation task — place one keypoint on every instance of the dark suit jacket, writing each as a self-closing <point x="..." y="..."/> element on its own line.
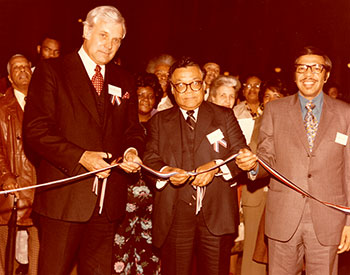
<point x="61" y="121"/>
<point x="220" y="206"/>
<point x="324" y="173"/>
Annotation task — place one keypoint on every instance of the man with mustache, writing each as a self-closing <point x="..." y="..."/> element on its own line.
<point x="305" y="138"/>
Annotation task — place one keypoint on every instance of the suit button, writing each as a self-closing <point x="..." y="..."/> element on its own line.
<point x="309" y="175"/>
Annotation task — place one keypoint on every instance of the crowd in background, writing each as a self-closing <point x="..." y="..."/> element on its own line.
<point x="133" y="251"/>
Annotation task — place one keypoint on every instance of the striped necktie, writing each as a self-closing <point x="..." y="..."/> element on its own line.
<point x="191" y="121"/>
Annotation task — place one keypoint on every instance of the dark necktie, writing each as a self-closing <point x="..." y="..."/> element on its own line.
<point x="97" y="80"/>
<point x="311" y="124"/>
<point x="191" y="121"/>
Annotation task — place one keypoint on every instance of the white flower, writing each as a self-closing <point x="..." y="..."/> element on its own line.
<point x="141" y="191"/>
<point x="147" y="237"/>
<point x="130" y="207"/>
<point x="119" y="266"/>
<point x="119" y="240"/>
<point x="146" y="224"/>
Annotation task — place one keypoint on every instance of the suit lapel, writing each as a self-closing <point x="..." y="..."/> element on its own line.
<point x="203" y="122"/>
<point x="173" y="132"/>
<point x="80" y="84"/>
<point x="326" y="119"/>
<point x="108" y="105"/>
<point x="295" y="116"/>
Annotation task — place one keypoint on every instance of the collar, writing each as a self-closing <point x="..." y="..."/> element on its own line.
<point x="20" y="98"/>
<point x="89" y="64"/>
<point x="185" y="114"/>
<point x="317" y="101"/>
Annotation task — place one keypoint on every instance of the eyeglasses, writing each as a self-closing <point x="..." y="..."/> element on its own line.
<point x="315" y="68"/>
<point x="251" y="86"/>
<point x="182" y="87"/>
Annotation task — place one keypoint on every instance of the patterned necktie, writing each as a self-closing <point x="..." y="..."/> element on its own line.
<point x="97" y="80"/>
<point x="191" y="121"/>
<point x="311" y="124"/>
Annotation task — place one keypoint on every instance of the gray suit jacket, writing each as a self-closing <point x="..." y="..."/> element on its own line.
<point x="325" y="173"/>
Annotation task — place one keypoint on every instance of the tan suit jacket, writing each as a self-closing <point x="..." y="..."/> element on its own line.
<point x="325" y="173"/>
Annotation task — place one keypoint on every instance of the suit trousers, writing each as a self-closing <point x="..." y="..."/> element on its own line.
<point x="286" y="258"/>
<point x="188" y="239"/>
<point x="63" y="243"/>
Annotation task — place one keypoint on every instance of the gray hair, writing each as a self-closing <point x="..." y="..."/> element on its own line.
<point x="161" y="59"/>
<point x="12" y="57"/>
<point x="223" y="80"/>
<point x="105" y="13"/>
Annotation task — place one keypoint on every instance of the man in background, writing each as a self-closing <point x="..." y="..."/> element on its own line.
<point x="16" y="170"/>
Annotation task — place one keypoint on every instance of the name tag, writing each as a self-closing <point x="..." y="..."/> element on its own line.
<point x="341" y="139"/>
<point x="215" y="136"/>
<point x="114" y="90"/>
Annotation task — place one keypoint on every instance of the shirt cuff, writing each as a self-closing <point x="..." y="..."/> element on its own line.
<point x="128" y="150"/>
<point x="161" y="182"/>
<point x="225" y="172"/>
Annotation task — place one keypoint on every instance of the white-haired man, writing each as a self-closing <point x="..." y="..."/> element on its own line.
<point x="80" y="112"/>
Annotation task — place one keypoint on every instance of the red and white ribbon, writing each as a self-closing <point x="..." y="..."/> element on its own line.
<point x="272" y="171"/>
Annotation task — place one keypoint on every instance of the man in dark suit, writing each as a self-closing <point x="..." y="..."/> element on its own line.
<point x="305" y="138"/>
<point x="194" y="215"/>
<point x="80" y="112"/>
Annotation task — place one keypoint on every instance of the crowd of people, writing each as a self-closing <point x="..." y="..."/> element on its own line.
<point x="186" y="211"/>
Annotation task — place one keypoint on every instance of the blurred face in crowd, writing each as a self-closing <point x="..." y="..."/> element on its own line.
<point x="212" y="71"/>
<point x="271" y="95"/>
<point x="310" y="75"/>
<point x="20" y="73"/>
<point x="162" y="73"/>
<point x="187" y="87"/>
<point x="146" y="99"/>
<point x="333" y="92"/>
<point x="251" y="89"/>
<point x="102" y="41"/>
<point x="50" y="48"/>
<point x="225" y="96"/>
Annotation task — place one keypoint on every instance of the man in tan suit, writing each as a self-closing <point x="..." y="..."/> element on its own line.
<point x="298" y="227"/>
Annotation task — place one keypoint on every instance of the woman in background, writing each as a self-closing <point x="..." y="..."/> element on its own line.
<point x="133" y="250"/>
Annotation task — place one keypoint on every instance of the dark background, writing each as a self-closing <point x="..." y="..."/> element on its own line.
<point x="243" y="36"/>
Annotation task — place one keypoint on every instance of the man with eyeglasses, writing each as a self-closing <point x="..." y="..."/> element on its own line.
<point x="194" y="215"/>
<point x="305" y="138"/>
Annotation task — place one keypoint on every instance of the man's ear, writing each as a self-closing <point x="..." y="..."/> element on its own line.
<point x="204" y="85"/>
<point x="38" y="48"/>
<point x="326" y="76"/>
<point x="10" y="79"/>
<point x="86" y="32"/>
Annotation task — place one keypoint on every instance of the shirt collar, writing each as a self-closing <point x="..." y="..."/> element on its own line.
<point x="89" y="64"/>
<point x="20" y="98"/>
<point x="318" y="100"/>
<point x="186" y="115"/>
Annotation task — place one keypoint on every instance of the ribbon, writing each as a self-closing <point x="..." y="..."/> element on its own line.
<point x="295" y="187"/>
<point x="272" y="171"/>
